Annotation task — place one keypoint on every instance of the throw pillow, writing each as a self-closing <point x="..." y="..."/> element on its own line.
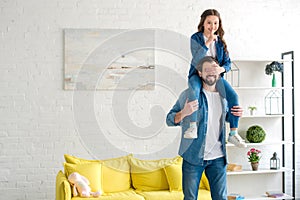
<point x="149" y="175"/>
<point x="76" y="160"/>
<point x="116" y="174"/>
<point x="204" y="184"/>
<point x="174" y="175"/>
<point x="92" y="171"/>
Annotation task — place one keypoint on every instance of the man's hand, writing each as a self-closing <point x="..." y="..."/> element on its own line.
<point x="237" y="111"/>
<point x="188" y="109"/>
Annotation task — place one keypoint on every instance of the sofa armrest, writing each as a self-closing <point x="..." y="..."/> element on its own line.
<point x="63" y="187"/>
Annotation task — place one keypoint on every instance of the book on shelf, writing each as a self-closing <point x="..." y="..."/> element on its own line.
<point x="235" y="197"/>
<point x="274" y="194"/>
<point x="231" y="167"/>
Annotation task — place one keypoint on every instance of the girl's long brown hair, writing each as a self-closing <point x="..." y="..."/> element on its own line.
<point x="220" y="30"/>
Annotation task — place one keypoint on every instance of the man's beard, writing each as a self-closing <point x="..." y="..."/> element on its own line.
<point x="210" y="80"/>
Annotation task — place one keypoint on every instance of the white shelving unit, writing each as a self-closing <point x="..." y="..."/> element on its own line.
<point x="264" y="197"/>
<point x="252" y="88"/>
<point x="260" y="171"/>
<point x="263" y="143"/>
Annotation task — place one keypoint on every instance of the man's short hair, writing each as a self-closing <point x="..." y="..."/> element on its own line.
<point x="209" y="59"/>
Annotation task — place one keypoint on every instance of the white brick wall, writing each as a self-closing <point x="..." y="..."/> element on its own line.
<point x="36" y="115"/>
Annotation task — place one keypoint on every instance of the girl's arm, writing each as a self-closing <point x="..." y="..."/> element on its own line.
<point x="198" y="49"/>
<point x="226" y="64"/>
<point x="223" y="57"/>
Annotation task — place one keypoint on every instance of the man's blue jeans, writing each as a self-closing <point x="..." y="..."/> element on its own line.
<point x="215" y="171"/>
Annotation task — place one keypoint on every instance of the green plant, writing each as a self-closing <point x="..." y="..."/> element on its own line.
<point x="253" y="155"/>
<point x="252" y="108"/>
<point x="273" y="67"/>
<point x="255" y="134"/>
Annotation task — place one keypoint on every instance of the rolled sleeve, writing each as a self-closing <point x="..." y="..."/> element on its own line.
<point x="170" y="120"/>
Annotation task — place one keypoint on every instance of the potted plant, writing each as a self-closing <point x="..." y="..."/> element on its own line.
<point x="255" y="134"/>
<point x="254" y="158"/>
<point x="252" y="109"/>
<point x="272" y="68"/>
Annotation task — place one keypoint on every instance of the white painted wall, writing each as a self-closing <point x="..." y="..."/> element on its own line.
<point x="38" y="121"/>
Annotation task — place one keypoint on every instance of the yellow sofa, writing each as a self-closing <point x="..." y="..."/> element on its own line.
<point x="128" y="178"/>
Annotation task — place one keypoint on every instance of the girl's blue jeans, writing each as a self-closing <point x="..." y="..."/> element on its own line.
<point x="225" y="90"/>
<point x="215" y="171"/>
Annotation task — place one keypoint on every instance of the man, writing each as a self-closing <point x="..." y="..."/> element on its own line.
<point x="207" y="151"/>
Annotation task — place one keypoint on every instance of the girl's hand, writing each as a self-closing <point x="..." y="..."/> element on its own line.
<point x="215" y="70"/>
<point x="220" y="69"/>
<point x="212" y="37"/>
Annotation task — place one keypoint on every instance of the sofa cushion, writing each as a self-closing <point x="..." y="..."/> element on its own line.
<point x="116" y="175"/>
<point x="149" y="175"/>
<point x="125" y="195"/>
<point x="175" y="195"/>
<point x="115" y="172"/>
<point x="174" y="175"/>
<point x="204" y="184"/>
<point x="204" y="194"/>
<point x="161" y="195"/>
<point x="76" y="160"/>
<point x="92" y="171"/>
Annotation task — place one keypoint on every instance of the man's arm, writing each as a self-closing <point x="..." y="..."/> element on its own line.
<point x="176" y="114"/>
<point x="170" y="120"/>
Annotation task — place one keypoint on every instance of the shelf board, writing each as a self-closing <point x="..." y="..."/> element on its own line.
<point x="263" y="116"/>
<point x="264" y="197"/>
<point x="260" y="171"/>
<point x="266" y="116"/>
<point x="261" y="88"/>
<point x="262" y="60"/>
<point x="262" y="143"/>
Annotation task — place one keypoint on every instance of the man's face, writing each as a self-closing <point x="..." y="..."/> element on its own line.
<point x="209" y="73"/>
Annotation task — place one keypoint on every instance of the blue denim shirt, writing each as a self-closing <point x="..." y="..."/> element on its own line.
<point x="199" y="49"/>
<point x="192" y="150"/>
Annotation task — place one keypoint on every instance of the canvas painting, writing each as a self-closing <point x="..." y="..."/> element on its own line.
<point x="108" y="59"/>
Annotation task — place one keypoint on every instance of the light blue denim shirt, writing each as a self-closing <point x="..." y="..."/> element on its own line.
<point x="192" y="150"/>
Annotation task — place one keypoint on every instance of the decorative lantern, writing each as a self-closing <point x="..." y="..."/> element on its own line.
<point x="273" y="102"/>
<point x="274" y="162"/>
<point x="233" y="76"/>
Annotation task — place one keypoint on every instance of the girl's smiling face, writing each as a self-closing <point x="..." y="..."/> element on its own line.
<point x="211" y="24"/>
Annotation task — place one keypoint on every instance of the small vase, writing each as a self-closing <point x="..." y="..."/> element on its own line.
<point x="254" y="166"/>
<point x="274" y="80"/>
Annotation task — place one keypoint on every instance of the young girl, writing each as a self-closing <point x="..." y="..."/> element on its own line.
<point x="209" y="41"/>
